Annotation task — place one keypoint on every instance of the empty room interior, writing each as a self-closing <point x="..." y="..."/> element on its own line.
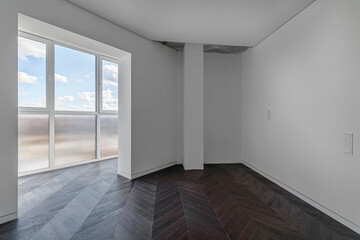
<point x="194" y="119"/>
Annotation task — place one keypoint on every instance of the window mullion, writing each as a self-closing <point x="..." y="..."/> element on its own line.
<point x="51" y="101"/>
<point x="98" y="103"/>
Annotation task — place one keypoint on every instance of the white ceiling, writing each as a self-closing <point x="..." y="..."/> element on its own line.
<point x="31" y="25"/>
<point x="227" y="22"/>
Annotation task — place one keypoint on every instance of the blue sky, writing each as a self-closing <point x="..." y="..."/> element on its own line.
<point x="74" y="78"/>
<point x="31" y="73"/>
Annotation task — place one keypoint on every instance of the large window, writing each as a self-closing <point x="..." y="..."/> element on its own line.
<point x="68" y="101"/>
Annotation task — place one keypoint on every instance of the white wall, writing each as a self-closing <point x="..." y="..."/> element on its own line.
<point x="153" y="87"/>
<point x="221" y="98"/>
<point x="308" y="74"/>
<point x="193" y="106"/>
<point x="8" y="109"/>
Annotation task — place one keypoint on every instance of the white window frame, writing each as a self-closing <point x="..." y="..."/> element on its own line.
<point x="50" y="101"/>
<point x="48" y="63"/>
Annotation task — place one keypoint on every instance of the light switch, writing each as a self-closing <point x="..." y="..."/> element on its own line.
<point x="348" y="143"/>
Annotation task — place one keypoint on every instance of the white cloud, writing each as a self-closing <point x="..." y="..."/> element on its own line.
<point x="40" y="102"/>
<point x="110" y="75"/>
<point x="28" y="48"/>
<point x="108" y="98"/>
<point x="61" y="78"/>
<point x="87" y="96"/>
<point x="109" y="101"/>
<point x="62" y="102"/>
<point x="26" y="78"/>
<point x="65" y="98"/>
<point x="32" y="102"/>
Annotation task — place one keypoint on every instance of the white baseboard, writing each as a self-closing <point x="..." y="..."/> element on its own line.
<point x="310" y="201"/>
<point x="151" y="170"/>
<point x="224" y="162"/>
<point x="8" y="217"/>
<point x="124" y="174"/>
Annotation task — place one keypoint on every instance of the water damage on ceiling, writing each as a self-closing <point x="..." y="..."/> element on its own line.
<point x="226" y="49"/>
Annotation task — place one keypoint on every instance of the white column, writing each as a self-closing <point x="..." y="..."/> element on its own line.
<point x="193" y="107"/>
<point x="124" y="118"/>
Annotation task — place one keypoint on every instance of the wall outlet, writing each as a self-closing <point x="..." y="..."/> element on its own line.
<point x="349" y="143"/>
<point x="268" y="115"/>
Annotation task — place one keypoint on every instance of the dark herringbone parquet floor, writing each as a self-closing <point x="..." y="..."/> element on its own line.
<point x="220" y="202"/>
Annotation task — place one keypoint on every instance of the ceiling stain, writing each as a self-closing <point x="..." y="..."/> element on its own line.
<point x="225" y="49"/>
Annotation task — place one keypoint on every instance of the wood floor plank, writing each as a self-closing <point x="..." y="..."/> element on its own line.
<point x="169" y="218"/>
<point x="78" y="209"/>
<point x="220" y="202"/>
<point x="39" y="192"/>
<point x="137" y="216"/>
<point x="35" y="219"/>
<point x="201" y="218"/>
